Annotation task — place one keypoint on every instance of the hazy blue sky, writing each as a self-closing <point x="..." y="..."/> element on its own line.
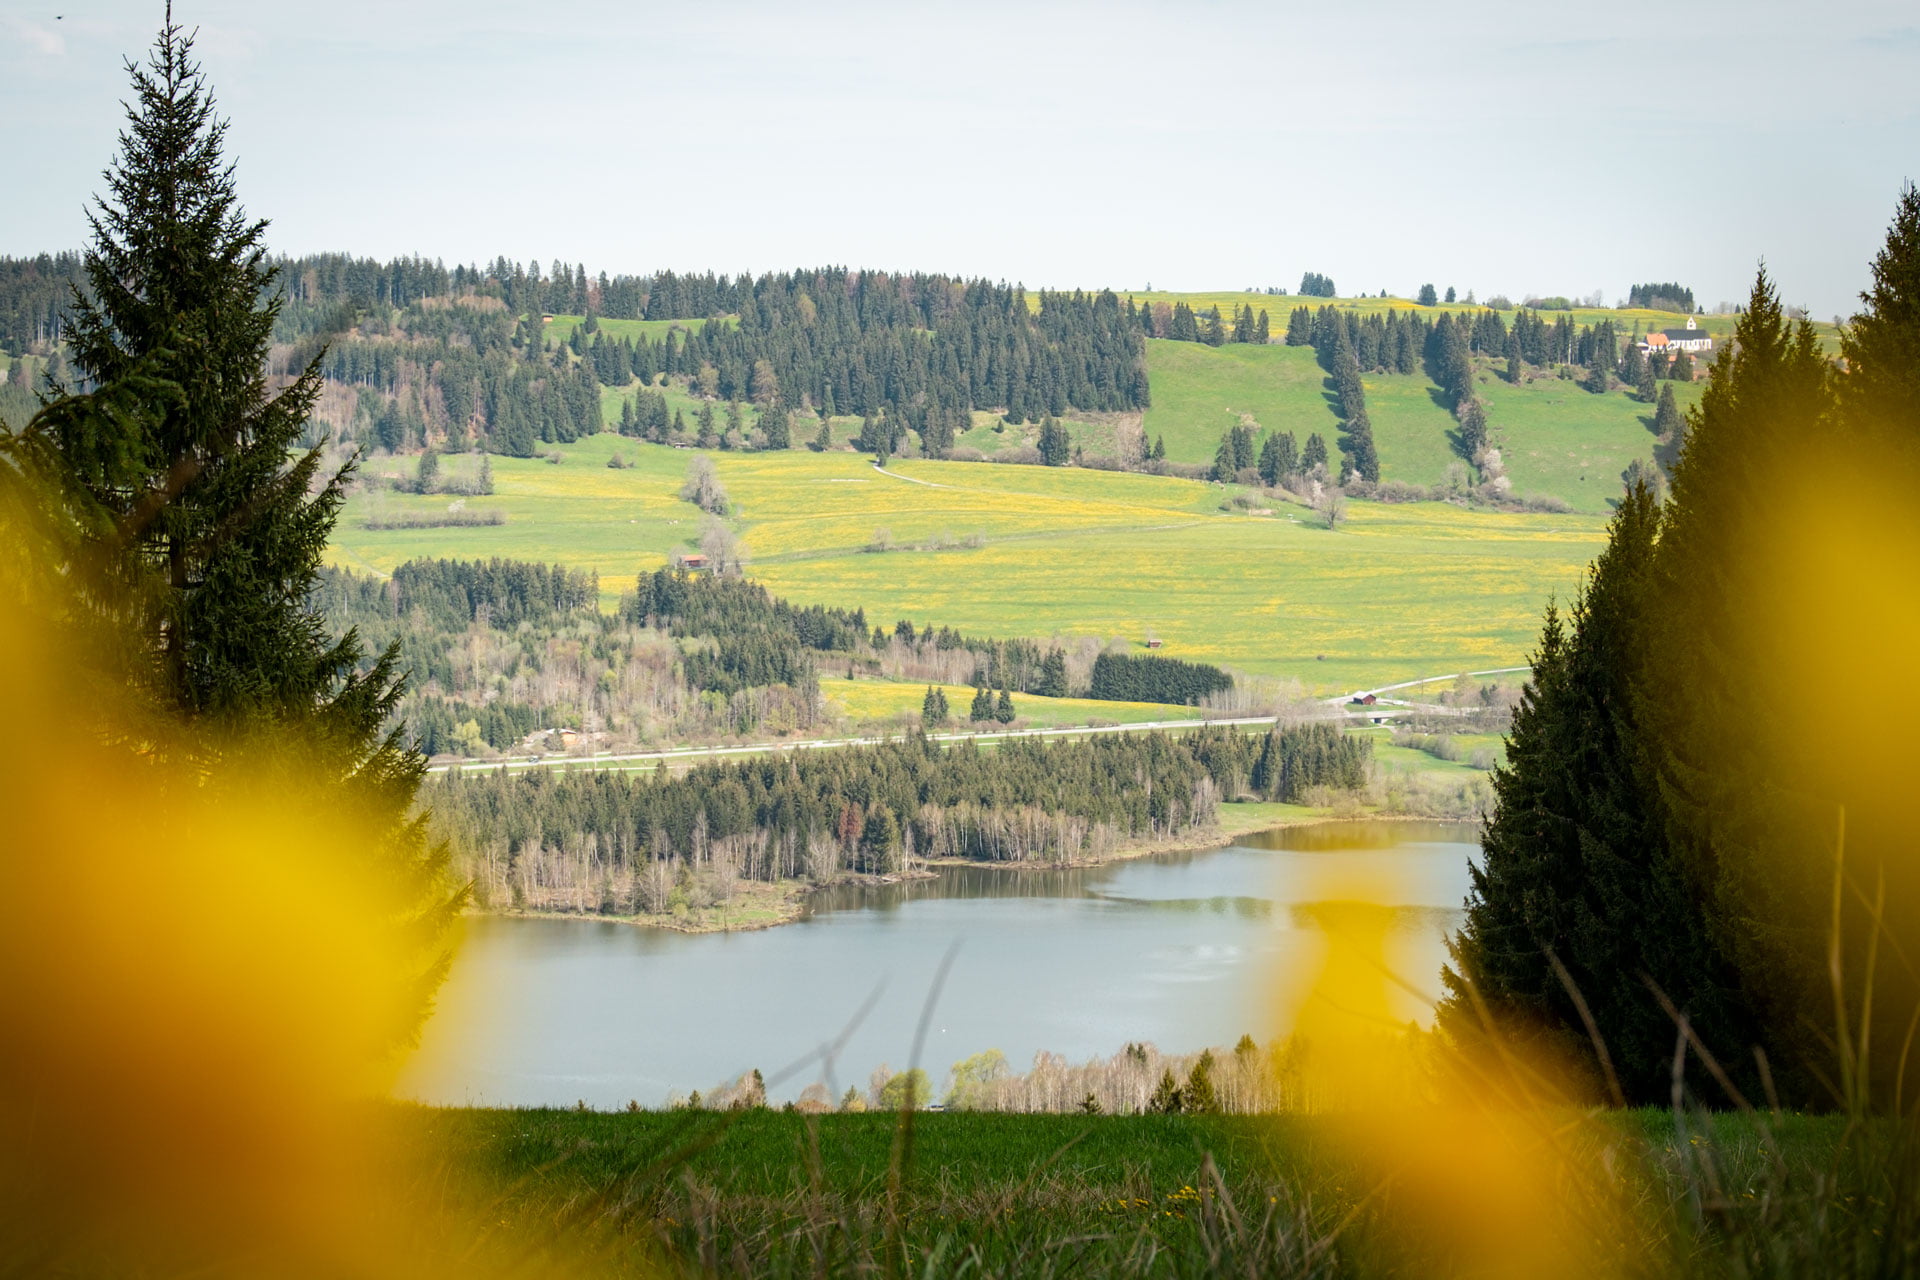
<point x="1505" y="147"/>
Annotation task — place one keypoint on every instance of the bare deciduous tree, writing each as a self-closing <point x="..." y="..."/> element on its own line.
<point x="703" y="488"/>
<point x="722" y="546"/>
<point x="1331" y="506"/>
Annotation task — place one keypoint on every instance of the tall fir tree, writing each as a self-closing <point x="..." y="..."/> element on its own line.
<point x="1754" y="781"/>
<point x="1881" y="394"/>
<point x="1578" y="899"/>
<point x="1314" y="454"/>
<point x="1668" y="423"/>
<point x="212" y="500"/>
<point x="1223" y="459"/>
<point x="1360" y="447"/>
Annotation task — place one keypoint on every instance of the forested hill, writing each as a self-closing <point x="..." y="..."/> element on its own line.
<point x="420" y="354"/>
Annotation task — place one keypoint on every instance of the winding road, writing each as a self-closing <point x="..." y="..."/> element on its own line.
<point x="675" y="755"/>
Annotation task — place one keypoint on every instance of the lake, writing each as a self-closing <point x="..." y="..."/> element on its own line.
<point x="1183" y="950"/>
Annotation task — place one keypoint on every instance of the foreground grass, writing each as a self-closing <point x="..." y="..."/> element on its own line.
<point x="1397" y="592"/>
<point x="767" y="1193"/>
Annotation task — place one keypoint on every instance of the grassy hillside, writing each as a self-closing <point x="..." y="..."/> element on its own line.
<point x="1558" y="439"/>
<point x="1279" y="306"/>
<point x="1397" y="592"/>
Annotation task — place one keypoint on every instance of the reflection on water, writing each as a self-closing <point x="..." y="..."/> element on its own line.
<point x="1182" y="949"/>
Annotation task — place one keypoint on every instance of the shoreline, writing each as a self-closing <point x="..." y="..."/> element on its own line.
<point x="787" y="901"/>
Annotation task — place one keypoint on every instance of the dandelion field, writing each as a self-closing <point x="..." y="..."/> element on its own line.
<point x="1397" y="592"/>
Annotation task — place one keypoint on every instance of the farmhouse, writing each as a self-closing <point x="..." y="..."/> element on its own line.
<point x="1691" y="339"/>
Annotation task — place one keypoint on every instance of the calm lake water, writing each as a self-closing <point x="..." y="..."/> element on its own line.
<point x="1184" y="950"/>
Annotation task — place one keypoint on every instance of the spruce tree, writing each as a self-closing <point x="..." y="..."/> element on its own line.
<point x="982" y="709"/>
<point x="212" y="499"/>
<point x="1881" y="394"/>
<point x="1300" y="328"/>
<point x="1749" y="813"/>
<point x="1243" y="455"/>
<point x="1053" y="675"/>
<point x="1286" y="456"/>
<point x="1223" y="459"/>
<point x="1272" y="469"/>
<point x="1576" y="870"/>
<point x="880" y="842"/>
<point x="1003" y="706"/>
<point x="1667" y="422"/>
<point x="1315" y="454"/>
<point x="1473" y="428"/>
<point x="1213" y="331"/>
<point x="1359" y="443"/>
<point x="1056" y="445"/>
<point x="1199" y="1097"/>
<point x="774" y="423"/>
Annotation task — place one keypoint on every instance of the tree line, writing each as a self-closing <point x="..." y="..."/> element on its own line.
<point x="1180" y="323"/>
<point x="499" y="650"/>
<point x="871" y="809"/>
<point x="716" y="604"/>
<point x="453" y="357"/>
<point x="1119" y="677"/>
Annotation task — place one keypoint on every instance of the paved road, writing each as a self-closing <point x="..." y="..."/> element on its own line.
<point x="638" y="759"/>
<point x="1408" y="684"/>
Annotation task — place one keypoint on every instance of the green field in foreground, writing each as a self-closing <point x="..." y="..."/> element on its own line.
<point x="1397" y="592"/>
<point x="765" y="1193"/>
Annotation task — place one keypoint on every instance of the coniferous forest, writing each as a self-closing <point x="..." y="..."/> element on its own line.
<point x="615" y="841"/>
<point x="414" y="354"/>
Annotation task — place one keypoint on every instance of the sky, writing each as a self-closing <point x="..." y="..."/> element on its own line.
<point x="1514" y="148"/>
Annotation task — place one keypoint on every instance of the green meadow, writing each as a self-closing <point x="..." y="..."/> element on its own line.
<point x="764" y="1193"/>
<point x="1558" y="440"/>
<point x="1397" y="592"/>
<point x="561" y="328"/>
<point x="1279" y="306"/>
